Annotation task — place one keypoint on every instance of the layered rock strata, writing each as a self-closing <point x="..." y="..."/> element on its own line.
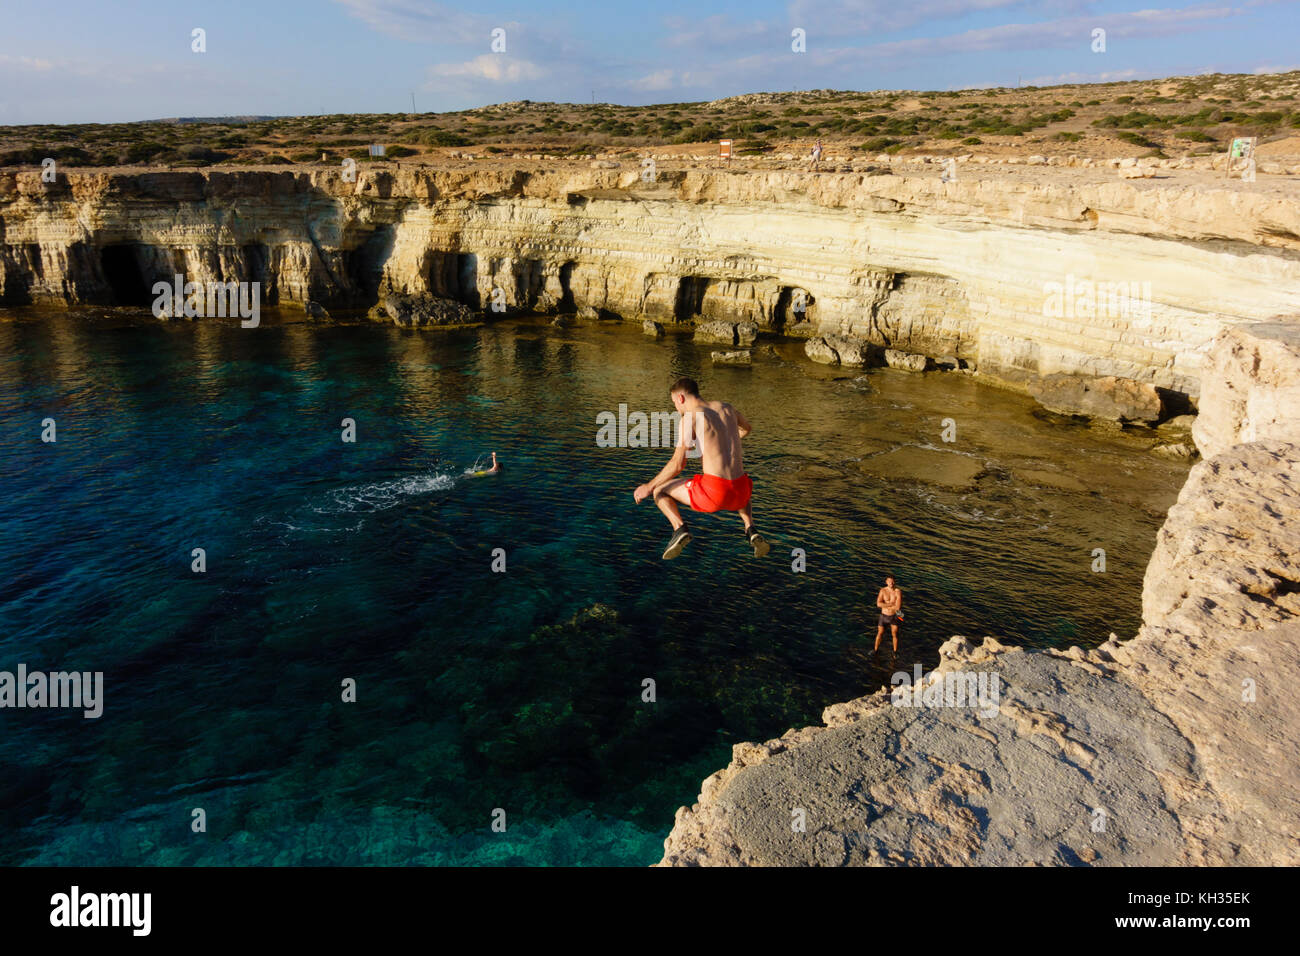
<point x="1018" y="280"/>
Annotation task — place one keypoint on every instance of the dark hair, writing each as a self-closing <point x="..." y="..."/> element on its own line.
<point x="686" y="385"/>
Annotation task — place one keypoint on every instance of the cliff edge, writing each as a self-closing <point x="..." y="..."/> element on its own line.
<point x="1177" y="747"/>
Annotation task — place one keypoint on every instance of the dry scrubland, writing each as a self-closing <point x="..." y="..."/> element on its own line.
<point x="1173" y="119"/>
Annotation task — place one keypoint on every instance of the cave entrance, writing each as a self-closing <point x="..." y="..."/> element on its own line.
<point x="365" y="265"/>
<point x="690" y="297"/>
<point x="566" y="288"/>
<point x="120" y="265"/>
<point x="257" y="268"/>
<point x="793" y="305"/>
<point x="530" y="282"/>
<point x="467" y="279"/>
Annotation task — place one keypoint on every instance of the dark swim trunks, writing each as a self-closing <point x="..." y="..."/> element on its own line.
<point x="890" y="620"/>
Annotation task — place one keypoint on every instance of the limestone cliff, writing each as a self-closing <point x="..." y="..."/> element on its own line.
<point x="1017" y="278"/>
<point x="1177" y="747"/>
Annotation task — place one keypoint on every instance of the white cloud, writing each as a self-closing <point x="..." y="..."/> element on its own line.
<point x="25" y="63"/>
<point x="1053" y="34"/>
<point x="1106" y="76"/>
<point x="495" y="67"/>
<point x="421" y="22"/>
<point x="721" y="31"/>
<point x="834" y="18"/>
<point x="659" y="80"/>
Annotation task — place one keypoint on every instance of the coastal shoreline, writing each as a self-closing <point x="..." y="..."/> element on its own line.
<point x="1099" y="297"/>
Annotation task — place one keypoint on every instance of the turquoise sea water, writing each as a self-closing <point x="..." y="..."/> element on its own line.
<point x="478" y="691"/>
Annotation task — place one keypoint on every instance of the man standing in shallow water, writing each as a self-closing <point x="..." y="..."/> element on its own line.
<point x="722" y="484"/>
<point x="890" y="602"/>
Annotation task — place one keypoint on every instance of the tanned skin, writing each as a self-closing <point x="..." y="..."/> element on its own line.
<point x="718" y="427"/>
<point x="890" y="602"/>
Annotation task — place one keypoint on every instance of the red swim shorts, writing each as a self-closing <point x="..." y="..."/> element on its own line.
<point x="711" y="493"/>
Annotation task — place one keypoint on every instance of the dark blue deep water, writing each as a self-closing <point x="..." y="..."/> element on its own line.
<point x="476" y="690"/>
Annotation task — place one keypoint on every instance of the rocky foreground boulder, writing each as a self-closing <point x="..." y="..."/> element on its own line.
<point x="1108" y="397"/>
<point x="1177" y="747"/>
<point x="423" y="311"/>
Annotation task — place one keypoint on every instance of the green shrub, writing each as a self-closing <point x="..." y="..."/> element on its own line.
<point x="879" y="144"/>
<point x="442" y="137"/>
<point x="140" y="153"/>
<point x="1137" y="139"/>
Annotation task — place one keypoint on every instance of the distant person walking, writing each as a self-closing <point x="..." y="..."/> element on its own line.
<point x="890" y="602"/>
<point x="817" y="155"/>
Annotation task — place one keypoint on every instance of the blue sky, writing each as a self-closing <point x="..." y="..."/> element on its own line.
<point x="76" y="61"/>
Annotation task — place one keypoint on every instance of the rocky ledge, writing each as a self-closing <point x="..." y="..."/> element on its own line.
<point x="1176" y="747"/>
<point x="1103" y="295"/>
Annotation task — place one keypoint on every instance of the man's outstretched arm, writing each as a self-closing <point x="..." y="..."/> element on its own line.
<point x="675" y="464"/>
<point x="669" y="472"/>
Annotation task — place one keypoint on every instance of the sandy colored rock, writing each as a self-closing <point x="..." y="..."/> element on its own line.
<point x="819" y="350"/>
<point x="907" y="361"/>
<point x="715" y="333"/>
<point x="899" y="261"/>
<point x="1251" y="391"/>
<point x="1107" y="397"/>
<point x="742" y="357"/>
<point x="950" y="469"/>
<point x="1052" y="479"/>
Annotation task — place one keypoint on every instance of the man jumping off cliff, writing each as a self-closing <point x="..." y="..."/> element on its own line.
<point x="722" y="484"/>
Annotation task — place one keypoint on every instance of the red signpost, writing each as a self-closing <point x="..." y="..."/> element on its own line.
<point x="724" y="149"/>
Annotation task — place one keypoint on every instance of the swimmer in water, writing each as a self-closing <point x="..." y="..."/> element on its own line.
<point x="496" y="467"/>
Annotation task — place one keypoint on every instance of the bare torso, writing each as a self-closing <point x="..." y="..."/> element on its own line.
<point x="715" y="427"/>
<point x="889" y="600"/>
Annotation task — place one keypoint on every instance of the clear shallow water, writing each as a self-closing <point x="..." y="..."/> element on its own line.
<point x="479" y="690"/>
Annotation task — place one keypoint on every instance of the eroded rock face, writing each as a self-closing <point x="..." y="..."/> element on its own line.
<point x="1182" y="741"/>
<point x="715" y="333"/>
<point x="907" y="361"/>
<point x="955" y="269"/>
<point x="1251" y="391"/>
<point x="1107" y="397"/>
<point x="819" y="350"/>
